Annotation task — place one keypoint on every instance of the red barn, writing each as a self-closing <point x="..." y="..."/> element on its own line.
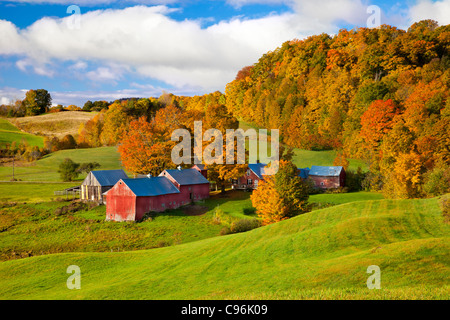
<point x="252" y="177"/>
<point x="192" y="184"/>
<point x="327" y="177"/>
<point x="131" y="199"/>
<point x="202" y="169"/>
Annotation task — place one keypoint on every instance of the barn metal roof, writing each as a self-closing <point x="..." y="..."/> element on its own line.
<point x="200" y="166"/>
<point x="186" y="176"/>
<point x="257" y="168"/>
<point x="149" y="187"/>
<point x="325" y="171"/>
<point x="109" y="177"/>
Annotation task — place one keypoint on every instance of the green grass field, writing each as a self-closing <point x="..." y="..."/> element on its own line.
<point x="341" y="198"/>
<point x="323" y="254"/>
<point x="10" y="133"/>
<point x="87" y="230"/>
<point x="31" y="192"/>
<point x="46" y="169"/>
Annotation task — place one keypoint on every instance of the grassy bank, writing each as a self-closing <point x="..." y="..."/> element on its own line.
<point x="10" y="133"/>
<point x="322" y="254"/>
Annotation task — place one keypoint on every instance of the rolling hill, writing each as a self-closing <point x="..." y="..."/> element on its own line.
<point x="46" y="169"/>
<point x="10" y="133"/>
<point x="54" y="124"/>
<point x="323" y="254"/>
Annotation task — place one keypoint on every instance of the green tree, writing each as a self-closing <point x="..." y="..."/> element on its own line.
<point x="37" y="102"/>
<point x="88" y="167"/>
<point x="68" y="170"/>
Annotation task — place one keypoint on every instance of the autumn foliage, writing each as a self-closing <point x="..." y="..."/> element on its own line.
<point x="280" y="196"/>
<point x="380" y="95"/>
<point x="145" y="149"/>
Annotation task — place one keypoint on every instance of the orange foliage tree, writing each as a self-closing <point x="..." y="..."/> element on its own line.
<point x="280" y="196"/>
<point x="145" y="148"/>
<point x="377" y="121"/>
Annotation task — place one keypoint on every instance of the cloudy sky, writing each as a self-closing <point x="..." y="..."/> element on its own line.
<point x="106" y="49"/>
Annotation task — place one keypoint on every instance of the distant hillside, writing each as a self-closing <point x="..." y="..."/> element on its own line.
<point x="54" y="124"/>
<point x="323" y="254"/>
<point x="380" y="95"/>
<point x="10" y="133"/>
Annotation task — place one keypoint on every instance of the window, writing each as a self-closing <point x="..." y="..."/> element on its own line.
<point x="248" y="172"/>
<point x="322" y="184"/>
<point x="234" y="181"/>
<point x="249" y="181"/>
<point x="163" y="205"/>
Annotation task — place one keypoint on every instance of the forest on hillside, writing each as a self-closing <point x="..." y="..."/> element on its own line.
<point x="379" y="95"/>
<point x="375" y="94"/>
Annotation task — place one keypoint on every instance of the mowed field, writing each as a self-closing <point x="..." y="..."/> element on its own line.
<point x="323" y="254"/>
<point x="41" y="228"/>
<point x="10" y="133"/>
<point x="46" y="169"/>
<point x="54" y="124"/>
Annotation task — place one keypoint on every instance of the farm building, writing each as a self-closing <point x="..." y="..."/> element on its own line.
<point x="251" y="178"/>
<point x="131" y="199"/>
<point x="191" y="183"/>
<point x="327" y="177"/>
<point x="98" y="182"/>
<point x="202" y="169"/>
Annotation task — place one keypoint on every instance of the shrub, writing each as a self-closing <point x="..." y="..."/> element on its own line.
<point x="244" y="225"/>
<point x="225" y="230"/>
<point x="220" y="217"/>
<point x="337" y="190"/>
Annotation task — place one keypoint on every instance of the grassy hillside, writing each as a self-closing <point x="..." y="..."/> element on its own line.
<point x="54" y="124"/>
<point x="30" y="192"/>
<point x="10" y="133"/>
<point x="87" y="230"/>
<point x="46" y="169"/>
<point x="323" y="254"/>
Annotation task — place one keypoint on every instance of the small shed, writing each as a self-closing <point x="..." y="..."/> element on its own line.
<point x="327" y="177"/>
<point x="98" y="182"/>
<point x="131" y="199"/>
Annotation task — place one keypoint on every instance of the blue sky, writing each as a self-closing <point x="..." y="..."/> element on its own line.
<point x="115" y="49"/>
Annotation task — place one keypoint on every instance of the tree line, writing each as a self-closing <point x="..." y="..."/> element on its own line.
<point x="380" y="95"/>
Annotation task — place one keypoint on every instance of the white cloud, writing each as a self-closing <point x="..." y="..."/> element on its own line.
<point x="4" y="100"/>
<point x="426" y="9"/>
<point x="145" y="41"/>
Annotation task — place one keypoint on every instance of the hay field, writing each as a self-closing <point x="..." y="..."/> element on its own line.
<point x="54" y="124"/>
